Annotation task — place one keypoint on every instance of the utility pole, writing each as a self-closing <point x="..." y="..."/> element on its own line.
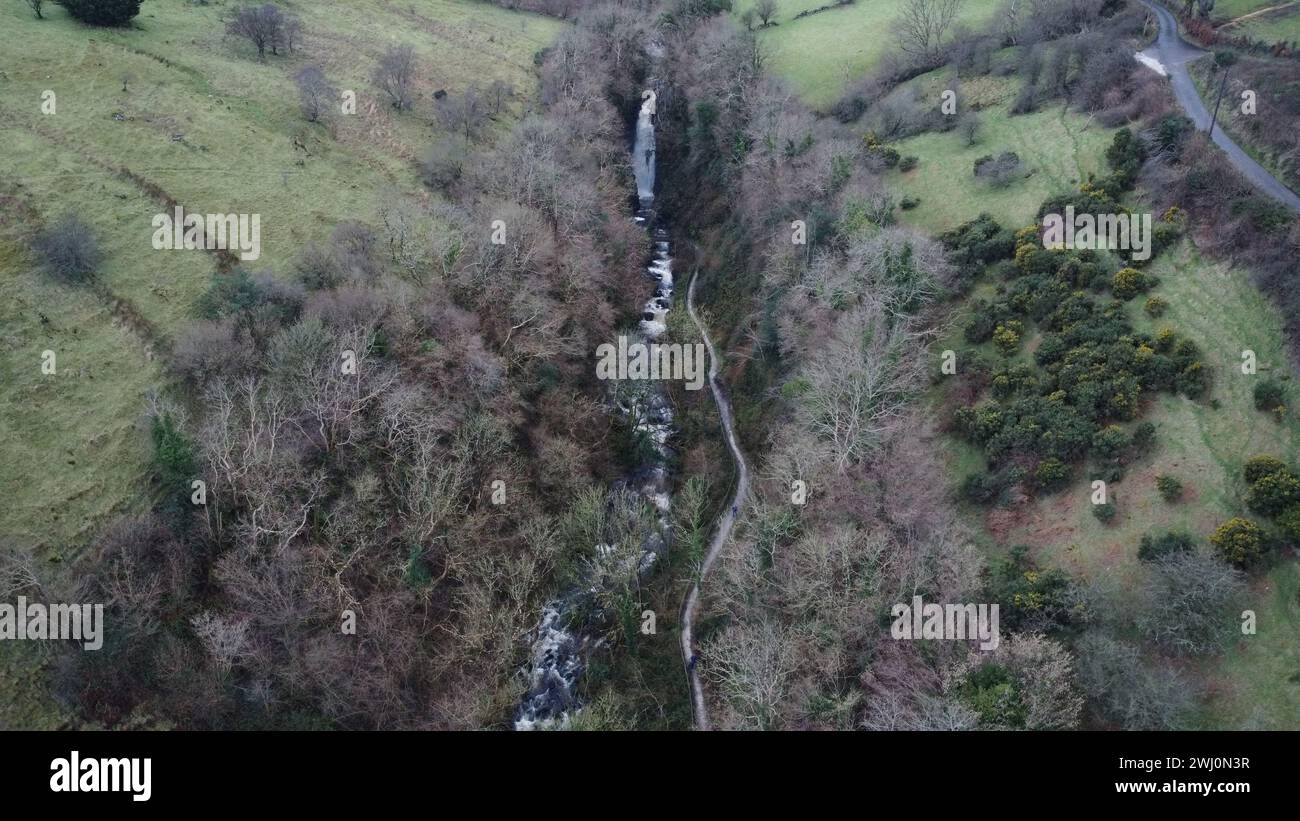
<point x="1222" y="85"/>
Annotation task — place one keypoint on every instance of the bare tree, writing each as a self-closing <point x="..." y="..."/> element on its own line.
<point x="859" y="383"/>
<point x="464" y="114"/>
<point x="36" y="7"/>
<point x="225" y="638"/>
<point x="315" y="94"/>
<point x="498" y="93"/>
<point x="751" y="664"/>
<point x="443" y="163"/>
<point x="766" y="10"/>
<point x="394" y="74"/>
<point x="970" y="128"/>
<point x="405" y="225"/>
<point x="921" y="29"/>
<point x="1009" y="24"/>
<point x="266" y="27"/>
<point x="1124" y="689"/>
<point x="290" y="32"/>
<point x="1188" y="602"/>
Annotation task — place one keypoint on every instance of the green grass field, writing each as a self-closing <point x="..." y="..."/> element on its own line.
<point x="1058" y="149"/>
<point x="821" y="54"/>
<point x="1274" y="20"/>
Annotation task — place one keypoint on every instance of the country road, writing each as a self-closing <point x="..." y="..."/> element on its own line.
<point x="725" y="522"/>
<point x="1174" y="53"/>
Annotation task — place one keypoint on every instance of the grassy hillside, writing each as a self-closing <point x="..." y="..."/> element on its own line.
<point x="1058" y="150"/>
<point x="1267" y="20"/>
<point x="820" y="54"/>
<point x="203" y="121"/>
<point x="1203" y="444"/>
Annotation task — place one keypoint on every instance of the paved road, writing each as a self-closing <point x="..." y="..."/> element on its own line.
<point x="1175" y="53"/>
<point x="725" y="522"/>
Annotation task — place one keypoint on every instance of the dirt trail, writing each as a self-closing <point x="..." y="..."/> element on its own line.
<point x="725" y="521"/>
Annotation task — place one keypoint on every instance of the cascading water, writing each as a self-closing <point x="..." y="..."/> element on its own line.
<point x="643" y="152"/>
<point x="558" y="647"/>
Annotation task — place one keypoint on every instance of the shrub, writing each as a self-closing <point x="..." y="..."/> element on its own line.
<point x="1155" y="307"/>
<point x="1128" y="283"/>
<point x="879" y="154"/>
<point x="1274" y="493"/>
<point x="1193" y="381"/>
<point x="1265" y="215"/>
<point x="986" y="488"/>
<point x="1026" y="99"/>
<point x="1110" y="442"/>
<point x="1224" y="57"/>
<point x="978" y="242"/>
<point x="1171" y="490"/>
<point x="1125" y="155"/>
<point x="443" y="163"/>
<point x="980" y="327"/>
<point x="1030" y="599"/>
<point x="1007" y="336"/>
<point x="1051" y="474"/>
<point x="1257" y="467"/>
<point x="1171" y="131"/>
<point x="1288" y="524"/>
<point x="1239" y="542"/>
<point x="103" y="12"/>
<point x="1155" y="547"/>
<point x="1269" y="395"/>
<point x="68" y="249"/>
<point x="908" y="203"/>
<point x="1105" y="512"/>
<point x="319" y="267"/>
<point x="992" y="693"/>
<point x="249" y="298"/>
<point x="1144" y="438"/>
<point x="907" y="163"/>
<point x="207" y="350"/>
<point x="173" y="455"/>
<point x="1000" y="170"/>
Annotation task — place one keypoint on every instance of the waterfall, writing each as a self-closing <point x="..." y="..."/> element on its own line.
<point x="559" y="648"/>
<point x="643" y="152"/>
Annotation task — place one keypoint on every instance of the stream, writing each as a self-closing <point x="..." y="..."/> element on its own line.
<point x="559" y="643"/>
